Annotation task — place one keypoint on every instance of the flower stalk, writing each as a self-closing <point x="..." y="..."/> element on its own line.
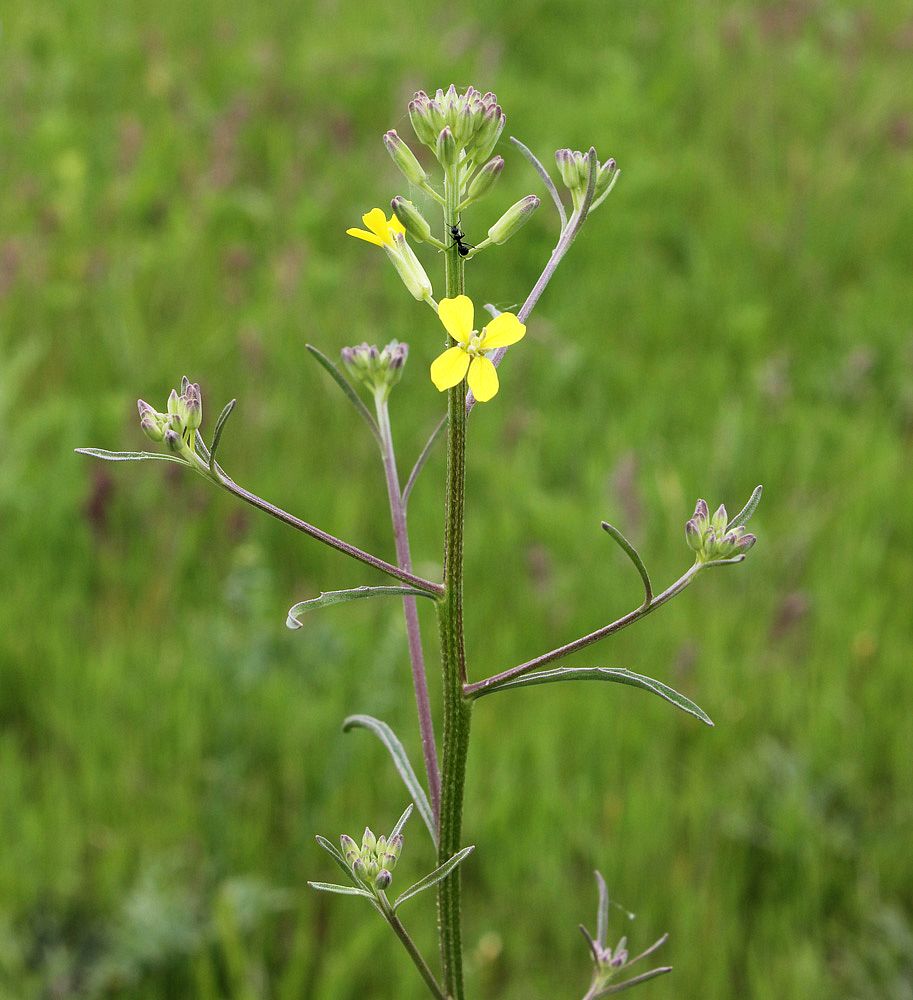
<point x="457" y="709"/>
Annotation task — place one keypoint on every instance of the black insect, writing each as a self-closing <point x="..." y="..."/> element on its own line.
<point x="459" y="241"/>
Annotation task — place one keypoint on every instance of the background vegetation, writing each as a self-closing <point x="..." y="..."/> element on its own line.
<point x="176" y="181"/>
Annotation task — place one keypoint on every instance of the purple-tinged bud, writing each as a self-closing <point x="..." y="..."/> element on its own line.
<point x="349" y="848"/>
<point x="513" y="219"/>
<point x="693" y="535"/>
<point x="702" y="511"/>
<point x="173" y="440"/>
<point x="746" y="542"/>
<point x="368" y="840"/>
<point x="567" y="167"/>
<point x="359" y="869"/>
<point x="485" y="179"/>
<point x="383" y="879"/>
<point x="192" y="401"/>
<point x="415" y="224"/>
<point x="720" y="519"/>
<point x="420" y="116"/>
<point x="404" y="158"/>
<point x="173" y="403"/>
<point x="446" y="148"/>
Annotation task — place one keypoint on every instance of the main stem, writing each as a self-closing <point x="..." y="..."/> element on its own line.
<point x="410" y="610"/>
<point x="453" y="657"/>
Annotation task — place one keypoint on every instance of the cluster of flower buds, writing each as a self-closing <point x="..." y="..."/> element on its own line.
<point x="377" y="370"/>
<point x="712" y="538"/>
<point x="574" y="168"/>
<point x="176" y="427"/>
<point x="372" y="863"/>
<point x="455" y="126"/>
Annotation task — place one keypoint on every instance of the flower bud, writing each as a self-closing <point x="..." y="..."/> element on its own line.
<point x="368" y="840"/>
<point x="746" y="542"/>
<point x="604" y="177"/>
<point x="693" y="535"/>
<point x="485" y="179"/>
<point x="378" y="371"/>
<point x="421" y="118"/>
<point x="720" y="519"/>
<point x="513" y="219"/>
<point x="383" y="879"/>
<point x="416" y="225"/>
<point x="702" y="512"/>
<point x="446" y="149"/>
<point x="489" y="132"/>
<point x="173" y="403"/>
<point x="173" y="440"/>
<point x="567" y="167"/>
<point x="349" y="848"/>
<point x="192" y="402"/>
<point x="404" y="158"/>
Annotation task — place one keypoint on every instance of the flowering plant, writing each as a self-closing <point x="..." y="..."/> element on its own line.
<point x="460" y="132"/>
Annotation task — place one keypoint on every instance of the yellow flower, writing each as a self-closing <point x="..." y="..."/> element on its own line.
<point x="451" y="367"/>
<point x="390" y="235"/>
<point x="382" y="231"/>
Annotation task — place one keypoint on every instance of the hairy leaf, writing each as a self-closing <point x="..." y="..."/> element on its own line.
<point x="341" y="596"/>
<point x="434" y="877"/>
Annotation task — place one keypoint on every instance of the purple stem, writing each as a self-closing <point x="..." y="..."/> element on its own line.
<point x="328" y="539"/>
<point x="567" y="237"/>
<point x="410" y="610"/>
<point x="556" y="654"/>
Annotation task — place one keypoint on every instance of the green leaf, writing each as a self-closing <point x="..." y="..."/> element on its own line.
<point x="341" y="596"/>
<point x="336" y="855"/>
<point x="634" y="556"/>
<point x="619" y="987"/>
<point x="400" y="760"/>
<point x="346" y="387"/>
<point x="130" y="456"/>
<point x="340" y="890"/>
<point x="614" y="674"/>
<point x="217" y="433"/>
<point x="401" y="822"/>
<point x="744" y="515"/>
<point x="434" y="877"/>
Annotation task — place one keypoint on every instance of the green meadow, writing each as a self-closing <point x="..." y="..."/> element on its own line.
<point x="175" y="184"/>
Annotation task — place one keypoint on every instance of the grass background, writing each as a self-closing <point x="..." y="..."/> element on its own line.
<point x="175" y="184"/>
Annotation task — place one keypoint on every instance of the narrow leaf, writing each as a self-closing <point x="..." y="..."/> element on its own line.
<point x="217" y="433"/>
<point x="130" y="456"/>
<point x="423" y="458"/>
<point x="346" y="387"/>
<point x="401" y="822"/>
<point x="340" y="890"/>
<point x="614" y="674"/>
<point x="434" y="877"/>
<point x="745" y="513"/>
<point x="400" y="760"/>
<point x="634" y="556"/>
<point x="602" y="913"/>
<point x="618" y="987"/>
<point x="331" y="597"/>
<point x="336" y="856"/>
<point x="537" y="165"/>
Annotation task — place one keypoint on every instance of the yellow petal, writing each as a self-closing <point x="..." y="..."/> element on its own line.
<point x="396" y="225"/>
<point x="456" y="315"/>
<point x="503" y="331"/>
<point x="362" y="235"/>
<point x="448" y="369"/>
<point x="376" y="221"/>
<point x="483" y="379"/>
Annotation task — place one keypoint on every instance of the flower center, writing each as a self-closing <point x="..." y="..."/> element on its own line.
<point x="474" y="347"/>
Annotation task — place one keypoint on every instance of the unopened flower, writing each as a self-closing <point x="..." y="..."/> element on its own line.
<point x="574" y="168"/>
<point x="712" y="538"/>
<point x="468" y="356"/>
<point x="377" y="370"/>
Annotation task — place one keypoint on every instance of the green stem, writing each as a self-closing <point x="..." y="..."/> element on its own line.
<point x="393" y="920"/>
<point x="453" y="658"/>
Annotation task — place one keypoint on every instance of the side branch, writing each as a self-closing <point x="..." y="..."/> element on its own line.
<point x="322" y="536"/>
<point x="479" y="687"/>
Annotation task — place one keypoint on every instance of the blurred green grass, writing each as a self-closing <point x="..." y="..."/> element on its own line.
<point x="175" y="186"/>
